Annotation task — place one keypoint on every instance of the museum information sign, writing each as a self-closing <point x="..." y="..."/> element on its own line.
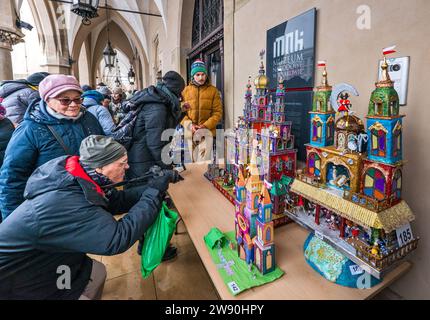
<point x="291" y="55"/>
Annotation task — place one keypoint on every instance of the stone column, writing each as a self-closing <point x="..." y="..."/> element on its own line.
<point x="229" y="63"/>
<point x="9" y="36"/>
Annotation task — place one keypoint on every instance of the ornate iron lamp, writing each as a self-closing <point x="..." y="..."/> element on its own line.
<point x="131" y="76"/>
<point x="87" y="9"/>
<point x="109" y="54"/>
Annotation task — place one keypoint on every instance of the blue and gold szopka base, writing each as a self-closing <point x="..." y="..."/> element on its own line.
<point x="334" y="266"/>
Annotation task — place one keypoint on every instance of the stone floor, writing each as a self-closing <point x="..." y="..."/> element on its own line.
<point x="183" y="278"/>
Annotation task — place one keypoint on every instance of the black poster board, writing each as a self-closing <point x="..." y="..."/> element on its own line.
<point x="299" y="103"/>
<point x="291" y="51"/>
<point x="290" y="54"/>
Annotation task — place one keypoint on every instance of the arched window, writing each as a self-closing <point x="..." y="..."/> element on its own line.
<point x="397" y="185"/>
<point x="379" y="108"/>
<point x="268" y="211"/>
<point x="394" y="108"/>
<point x="314" y="166"/>
<point x="268" y="235"/>
<point x="397" y="142"/>
<point x="278" y="165"/>
<point x="319" y="105"/>
<point x="374" y="184"/>
<point x="341" y="141"/>
<point x="316" y="131"/>
<point x="379" y="143"/>
<point x="256" y="201"/>
<point x="330" y="128"/>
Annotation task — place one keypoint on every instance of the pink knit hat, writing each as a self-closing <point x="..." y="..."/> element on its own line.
<point x="54" y="85"/>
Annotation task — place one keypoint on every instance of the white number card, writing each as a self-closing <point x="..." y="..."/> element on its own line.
<point x="233" y="287"/>
<point x="356" y="270"/>
<point x="319" y="235"/>
<point x="404" y="235"/>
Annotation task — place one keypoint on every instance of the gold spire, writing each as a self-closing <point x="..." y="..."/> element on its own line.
<point x="324" y="79"/>
<point x="261" y="82"/>
<point x="386" y="81"/>
<point x="324" y="82"/>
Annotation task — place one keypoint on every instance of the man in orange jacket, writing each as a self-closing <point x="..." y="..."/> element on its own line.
<point x="205" y="111"/>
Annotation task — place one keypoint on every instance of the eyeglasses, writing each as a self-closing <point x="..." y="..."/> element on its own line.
<point x="68" y="102"/>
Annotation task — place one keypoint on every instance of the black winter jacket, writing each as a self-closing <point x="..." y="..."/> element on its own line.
<point x="6" y="131"/>
<point x="159" y="111"/>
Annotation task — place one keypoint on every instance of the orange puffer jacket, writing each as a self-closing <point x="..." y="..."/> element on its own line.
<point x="206" y="106"/>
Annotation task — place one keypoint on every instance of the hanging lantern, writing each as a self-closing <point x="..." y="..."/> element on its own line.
<point x="117" y="82"/>
<point x="109" y="55"/>
<point x="131" y="76"/>
<point x="87" y="9"/>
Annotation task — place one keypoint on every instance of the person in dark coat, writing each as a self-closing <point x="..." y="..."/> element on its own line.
<point x="156" y="109"/>
<point x="39" y="240"/>
<point x="17" y="95"/>
<point x="6" y="131"/>
<point x="153" y="111"/>
<point x="53" y="126"/>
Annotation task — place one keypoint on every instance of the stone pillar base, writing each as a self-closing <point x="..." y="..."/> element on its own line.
<point x="6" y="72"/>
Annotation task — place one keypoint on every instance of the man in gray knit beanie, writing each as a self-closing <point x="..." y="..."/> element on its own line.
<point x="71" y="204"/>
<point x="105" y="156"/>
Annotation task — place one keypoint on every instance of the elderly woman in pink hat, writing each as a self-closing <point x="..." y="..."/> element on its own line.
<point x="53" y="126"/>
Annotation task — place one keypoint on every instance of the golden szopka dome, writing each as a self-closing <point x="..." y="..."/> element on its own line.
<point x="261" y="82"/>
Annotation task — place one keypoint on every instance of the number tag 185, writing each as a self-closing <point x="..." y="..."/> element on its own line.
<point x="404" y="235"/>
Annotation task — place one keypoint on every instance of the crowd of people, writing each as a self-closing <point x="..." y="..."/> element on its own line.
<point x="63" y="147"/>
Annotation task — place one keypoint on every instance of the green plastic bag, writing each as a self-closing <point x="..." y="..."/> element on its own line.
<point x="157" y="238"/>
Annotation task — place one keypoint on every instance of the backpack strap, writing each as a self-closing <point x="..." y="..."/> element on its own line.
<point x="60" y="140"/>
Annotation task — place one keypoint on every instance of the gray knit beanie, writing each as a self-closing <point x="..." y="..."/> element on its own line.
<point x="99" y="151"/>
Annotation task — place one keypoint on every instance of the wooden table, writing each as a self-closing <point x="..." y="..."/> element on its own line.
<point x="202" y="207"/>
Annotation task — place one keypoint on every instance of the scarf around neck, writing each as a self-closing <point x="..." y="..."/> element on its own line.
<point x="60" y="116"/>
<point x="98" y="178"/>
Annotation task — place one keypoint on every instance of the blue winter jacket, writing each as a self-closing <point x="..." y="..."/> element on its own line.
<point x="32" y="145"/>
<point x="63" y="219"/>
<point x="101" y="113"/>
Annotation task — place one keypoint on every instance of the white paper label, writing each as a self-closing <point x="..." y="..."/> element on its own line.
<point x="319" y="235"/>
<point x="355" y="270"/>
<point x="404" y="235"/>
<point x="233" y="287"/>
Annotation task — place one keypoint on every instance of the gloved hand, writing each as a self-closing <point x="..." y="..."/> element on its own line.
<point x="161" y="183"/>
<point x="173" y="175"/>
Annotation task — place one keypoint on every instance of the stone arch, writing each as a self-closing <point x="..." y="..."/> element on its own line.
<point x="139" y="46"/>
<point x="162" y="8"/>
<point x="50" y="23"/>
<point x="118" y="40"/>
